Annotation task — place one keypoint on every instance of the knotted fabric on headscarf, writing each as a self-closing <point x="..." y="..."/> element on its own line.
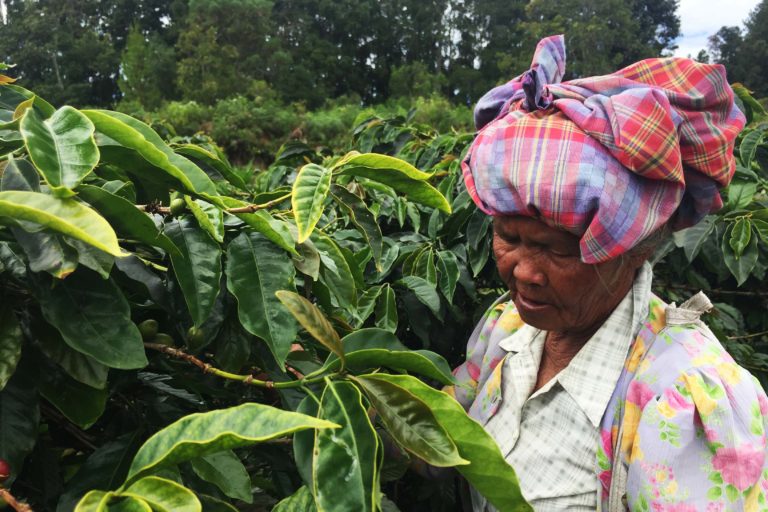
<point x="609" y="158"/>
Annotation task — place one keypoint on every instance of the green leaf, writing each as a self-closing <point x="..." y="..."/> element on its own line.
<point x="740" y="236"/>
<point x="129" y="504"/>
<point x="740" y="266"/>
<point x="386" y="310"/>
<point x="77" y="365"/>
<point x="308" y="198"/>
<point x="344" y="462"/>
<point x="693" y="238"/>
<point x="411" y="422"/>
<point x="424" y="266"/>
<point x="11" y="338"/>
<point x="135" y="135"/>
<point x="749" y="101"/>
<point x="761" y="227"/>
<point x="61" y="147"/>
<point x="300" y="501"/>
<point x="748" y="146"/>
<point x="164" y="495"/>
<point x="94" y="318"/>
<point x="399" y="175"/>
<point x="488" y="472"/>
<point x="740" y="194"/>
<point x="94" y="501"/>
<point x="204" y="433"/>
<point x="362" y="218"/>
<point x="81" y="404"/>
<point x="213" y="160"/>
<point x="211" y="504"/>
<point x="376" y="348"/>
<point x="105" y="468"/>
<point x="126" y="218"/>
<point x="275" y="230"/>
<point x="66" y="216"/>
<point x="210" y="218"/>
<point x="226" y="471"/>
<point x="425" y="292"/>
<point x="20" y="174"/>
<point x="256" y="269"/>
<point x="20" y="415"/>
<point x="304" y="441"/>
<point x="198" y="269"/>
<point x="313" y="320"/>
<point x="478" y="256"/>
<point x="335" y="271"/>
<point x="448" y="268"/>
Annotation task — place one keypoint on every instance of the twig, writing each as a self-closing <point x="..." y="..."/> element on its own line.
<point x="753" y="335"/>
<point x="713" y="291"/>
<point x="245" y="379"/>
<point x="15" y="504"/>
<point x="251" y="208"/>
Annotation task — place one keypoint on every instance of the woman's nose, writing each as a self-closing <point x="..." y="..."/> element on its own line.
<point x="528" y="271"/>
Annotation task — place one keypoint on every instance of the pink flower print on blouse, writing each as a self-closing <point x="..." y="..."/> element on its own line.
<point x="763" y="401"/>
<point x="677" y="401"/>
<point x="740" y="467"/>
<point x="639" y="393"/>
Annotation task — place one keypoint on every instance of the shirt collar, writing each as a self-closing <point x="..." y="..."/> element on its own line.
<point x="604" y="353"/>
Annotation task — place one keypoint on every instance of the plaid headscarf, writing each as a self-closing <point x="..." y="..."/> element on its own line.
<point x="609" y="158"/>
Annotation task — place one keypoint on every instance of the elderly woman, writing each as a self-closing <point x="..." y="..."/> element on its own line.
<point x="599" y="394"/>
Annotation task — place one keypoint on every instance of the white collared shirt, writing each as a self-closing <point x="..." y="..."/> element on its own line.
<point x="550" y="437"/>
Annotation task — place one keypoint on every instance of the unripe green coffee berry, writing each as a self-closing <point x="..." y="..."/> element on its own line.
<point x="164" y="339"/>
<point x="178" y="206"/>
<point x="195" y="336"/>
<point x="148" y="329"/>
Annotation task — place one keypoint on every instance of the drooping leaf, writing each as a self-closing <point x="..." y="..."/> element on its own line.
<point x="226" y="471"/>
<point x="165" y="495"/>
<point x="126" y="218"/>
<point x="308" y="198"/>
<point x="61" y="147"/>
<point x="256" y="269"/>
<point x="137" y="136"/>
<point x="376" y="348"/>
<point x="300" y="501"/>
<point x="201" y="434"/>
<point x="77" y="365"/>
<point x="411" y="422"/>
<point x="386" y="310"/>
<point x="47" y="252"/>
<point x="425" y="292"/>
<point x="312" y="319"/>
<point x="93" y="317"/>
<point x="94" y="501"/>
<point x="335" y="271"/>
<point x="487" y="471"/>
<point x="213" y="160"/>
<point x="362" y="218"/>
<point x="67" y="216"/>
<point x="740" y="236"/>
<point x="344" y="463"/>
<point x="448" y="268"/>
<point x="740" y="194"/>
<point x="11" y="338"/>
<point x="693" y="238"/>
<point x="198" y="268"/>
<point x="275" y="230"/>
<point x="20" y="174"/>
<point x="740" y="266"/>
<point x="748" y="146"/>
<point x="210" y="218"/>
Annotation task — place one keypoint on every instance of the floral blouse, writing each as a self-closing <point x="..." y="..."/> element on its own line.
<point x="685" y="429"/>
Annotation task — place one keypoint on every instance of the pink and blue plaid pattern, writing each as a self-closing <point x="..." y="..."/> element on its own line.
<point x="609" y="158"/>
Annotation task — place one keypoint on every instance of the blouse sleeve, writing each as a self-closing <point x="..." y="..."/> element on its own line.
<point x="700" y="445"/>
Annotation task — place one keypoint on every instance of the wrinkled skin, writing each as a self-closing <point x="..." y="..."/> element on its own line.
<point x="550" y="285"/>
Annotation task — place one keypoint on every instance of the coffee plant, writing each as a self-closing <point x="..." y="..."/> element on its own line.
<point x="180" y="334"/>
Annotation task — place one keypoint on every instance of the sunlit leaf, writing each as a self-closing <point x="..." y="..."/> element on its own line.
<point x="309" y="192"/>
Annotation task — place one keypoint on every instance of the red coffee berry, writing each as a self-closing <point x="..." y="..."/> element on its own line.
<point x="5" y="471"/>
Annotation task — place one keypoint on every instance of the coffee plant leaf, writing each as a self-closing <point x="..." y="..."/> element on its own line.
<point x="94" y="501"/>
<point x="363" y="219"/>
<point x="424" y="291"/>
<point x="77" y="365"/>
<point x="93" y="317"/>
<point x="20" y="174"/>
<point x="164" y="494"/>
<point x="197" y="268"/>
<point x="740" y="236"/>
<point x="448" y="273"/>
<point x="488" y="472"/>
<point x="748" y="146"/>
<point x="209" y="158"/>
<point x="345" y="458"/>
<point x="739" y="265"/>
<point x="308" y="198"/>
<point x="62" y="147"/>
<point x="20" y="415"/>
<point x="204" y="433"/>
<point x="125" y="218"/>
<point x="256" y="269"/>
<point x="226" y="471"/>
<point x="66" y="216"/>
<point x="80" y="404"/>
<point x="335" y="272"/>
<point x="12" y="95"/>
<point x="312" y="319"/>
<point x="137" y="136"/>
<point x="410" y="421"/>
<point x="129" y="504"/>
<point x="693" y="238"/>
<point x="11" y="338"/>
<point x="276" y="231"/>
<point x="211" y="504"/>
<point x="208" y="216"/>
<point x="386" y="309"/>
<point x="300" y="501"/>
<point x="304" y="440"/>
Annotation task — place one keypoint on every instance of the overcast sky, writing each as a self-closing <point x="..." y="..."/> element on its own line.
<point x="699" y="19"/>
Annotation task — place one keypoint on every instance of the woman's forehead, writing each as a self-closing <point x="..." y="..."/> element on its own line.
<point x="532" y="227"/>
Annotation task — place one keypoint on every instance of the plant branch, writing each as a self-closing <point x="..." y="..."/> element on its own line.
<point x="753" y="335"/>
<point x="251" y="208"/>
<point x="15" y="504"/>
<point x="245" y="379"/>
<point x="686" y="287"/>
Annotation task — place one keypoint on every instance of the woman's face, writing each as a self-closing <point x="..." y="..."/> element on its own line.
<point x="551" y="287"/>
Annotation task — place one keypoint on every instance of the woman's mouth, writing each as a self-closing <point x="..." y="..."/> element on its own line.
<point x="528" y="304"/>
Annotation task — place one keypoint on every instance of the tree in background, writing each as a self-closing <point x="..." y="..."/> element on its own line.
<point x="147" y="70"/>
